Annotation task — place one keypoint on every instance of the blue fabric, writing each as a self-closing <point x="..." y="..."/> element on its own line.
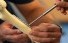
<point x="64" y="38"/>
<point x="20" y="1"/>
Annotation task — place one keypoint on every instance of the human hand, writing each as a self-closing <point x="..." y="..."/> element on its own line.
<point x="62" y="6"/>
<point x="11" y="34"/>
<point x="46" y="33"/>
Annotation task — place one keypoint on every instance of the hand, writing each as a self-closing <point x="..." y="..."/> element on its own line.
<point x="46" y="33"/>
<point x="8" y="33"/>
<point x="62" y="6"/>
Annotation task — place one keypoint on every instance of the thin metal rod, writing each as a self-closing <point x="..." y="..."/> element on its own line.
<point x="50" y="9"/>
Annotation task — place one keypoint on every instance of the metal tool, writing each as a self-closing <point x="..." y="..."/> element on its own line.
<point x="50" y="9"/>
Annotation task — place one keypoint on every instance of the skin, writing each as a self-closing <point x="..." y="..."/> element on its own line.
<point x="41" y="31"/>
<point x="7" y="32"/>
<point x="32" y="11"/>
<point x="44" y="33"/>
<point x="62" y="6"/>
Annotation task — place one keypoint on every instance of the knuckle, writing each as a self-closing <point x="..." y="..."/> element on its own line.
<point x="54" y="25"/>
<point x="59" y="35"/>
<point x="57" y="30"/>
<point x="47" y="34"/>
<point x="44" y="34"/>
<point x="45" y="24"/>
<point x="35" y="28"/>
<point x="52" y="35"/>
<point x="34" y="33"/>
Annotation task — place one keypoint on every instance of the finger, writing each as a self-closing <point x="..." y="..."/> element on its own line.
<point x="53" y="28"/>
<point x="62" y="4"/>
<point x="12" y="32"/>
<point x="57" y="1"/>
<point x="46" y="34"/>
<point x="16" y="38"/>
<point x="38" y="29"/>
<point x="7" y="25"/>
<point x="64" y="11"/>
<point x="47" y="40"/>
<point x="49" y="27"/>
<point x="9" y="31"/>
<point x="58" y="8"/>
<point x="45" y="27"/>
<point x="41" y="27"/>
